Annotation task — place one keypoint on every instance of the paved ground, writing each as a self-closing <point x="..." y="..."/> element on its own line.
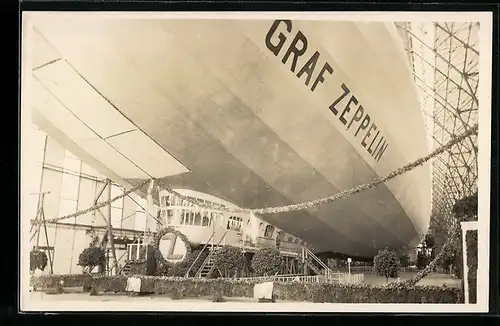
<point x="75" y="294"/>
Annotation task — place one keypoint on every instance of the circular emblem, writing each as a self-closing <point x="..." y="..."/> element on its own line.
<point x="162" y="244"/>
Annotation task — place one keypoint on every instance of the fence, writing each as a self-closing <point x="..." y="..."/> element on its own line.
<point x="338" y="278"/>
<point x="364" y="269"/>
<point x="134" y="251"/>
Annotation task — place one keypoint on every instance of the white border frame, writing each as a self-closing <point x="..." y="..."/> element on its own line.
<point x="484" y="136"/>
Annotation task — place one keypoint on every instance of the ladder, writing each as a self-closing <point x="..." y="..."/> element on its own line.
<point x="208" y="266"/>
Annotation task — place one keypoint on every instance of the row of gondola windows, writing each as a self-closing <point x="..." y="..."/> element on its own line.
<point x="188" y="217"/>
<point x="206" y="219"/>
<point x="166" y="201"/>
<point x="235" y="223"/>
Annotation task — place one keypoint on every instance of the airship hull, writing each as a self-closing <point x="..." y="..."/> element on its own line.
<point x="263" y="114"/>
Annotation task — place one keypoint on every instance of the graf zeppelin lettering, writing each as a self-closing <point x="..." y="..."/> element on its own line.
<point x="346" y="106"/>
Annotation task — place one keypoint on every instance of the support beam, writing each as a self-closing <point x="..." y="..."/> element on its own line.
<point x="467" y="46"/>
<point x="148" y="207"/>
<point x="110" y="227"/>
<point x="42" y="215"/>
<point x="448" y="63"/>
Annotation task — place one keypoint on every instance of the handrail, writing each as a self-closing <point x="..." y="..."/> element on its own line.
<point x="199" y="254"/>
<point x="340" y="278"/>
<point x="116" y="263"/>
<point x="310" y="253"/>
<point x="198" y="273"/>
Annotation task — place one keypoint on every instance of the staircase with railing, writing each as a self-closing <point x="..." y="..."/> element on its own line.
<point x="314" y="263"/>
<point x="199" y="255"/>
<point x="208" y="266"/>
<point x="131" y="255"/>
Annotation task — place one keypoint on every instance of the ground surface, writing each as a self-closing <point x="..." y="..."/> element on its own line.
<point x="76" y="294"/>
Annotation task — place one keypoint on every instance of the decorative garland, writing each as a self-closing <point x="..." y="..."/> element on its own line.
<point x="295" y="207"/>
<point x="93" y="208"/>
<point x="454" y="233"/>
<point x="286" y="208"/>
<point x="338" y="196"/>
<point x="156" y="244"/>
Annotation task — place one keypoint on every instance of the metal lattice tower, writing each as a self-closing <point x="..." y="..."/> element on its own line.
<point x="444" y="59"/>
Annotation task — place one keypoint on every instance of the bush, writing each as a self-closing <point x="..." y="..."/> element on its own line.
<point x="267" y="261"/>
<point x="404" y="261"/>
<point x="38" y="260"/>
<point x="422" y="260"/>
<point x="230" y="261"/>
<point x="465" y="209"/>
<point x="92" y="257"/>
<point x="471" y="243"/>
<point x="312" y="292"/>
<point x="386" y="264"/>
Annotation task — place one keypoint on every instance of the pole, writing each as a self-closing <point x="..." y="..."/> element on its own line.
<point x="37" y="216"/>
<point x="159" y="221"/>
<point x="110" y="227"/>
<point x="148" y="207"/>
<point x="51" y="262"/>
<point x="38" y="228"/>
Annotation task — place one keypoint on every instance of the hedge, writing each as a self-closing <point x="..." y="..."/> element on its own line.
<point x="70" y="280"/>
<point x="471" y="244"/>
<point x="179" y="287"/>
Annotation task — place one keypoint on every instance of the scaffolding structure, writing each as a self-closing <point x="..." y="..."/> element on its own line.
<point x="444" y="59"/>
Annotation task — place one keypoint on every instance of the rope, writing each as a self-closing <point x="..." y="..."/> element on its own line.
<point x="340" y="195"/>
<point x="93" y="208"/>
<point x="453" y="234"/>
<point x="279" y="209"/>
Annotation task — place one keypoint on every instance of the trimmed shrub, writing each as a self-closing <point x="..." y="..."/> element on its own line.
<point x="422" y="260"/>
<point x="404" y="261"/>
<point x="268" y="261"/>
<point x="230" y="261"/>
<point x="92" y="257"/>
<point x="38" y="260"/>
<point x="472" y="245"/>
<point x="386" y="264"/>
